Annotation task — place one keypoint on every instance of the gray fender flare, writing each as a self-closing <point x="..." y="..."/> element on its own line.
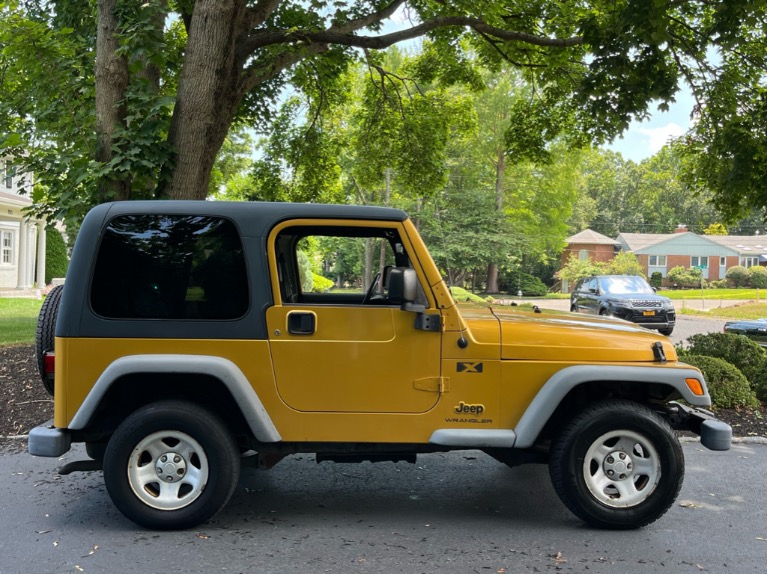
<point x="222" y="369"/>
<point x="561" y="383"/>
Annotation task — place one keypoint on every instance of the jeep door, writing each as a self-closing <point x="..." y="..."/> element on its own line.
<point x="338" y="343"/>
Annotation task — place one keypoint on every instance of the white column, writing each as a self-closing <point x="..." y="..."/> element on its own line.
<point x="40" y="254"/>
<point x="22" y="266"/>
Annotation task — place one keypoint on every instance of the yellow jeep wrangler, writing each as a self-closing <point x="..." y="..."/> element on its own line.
<point x="189" y="339"/>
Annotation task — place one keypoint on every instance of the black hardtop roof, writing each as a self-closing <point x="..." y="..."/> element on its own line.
<point x="249" y="214"/>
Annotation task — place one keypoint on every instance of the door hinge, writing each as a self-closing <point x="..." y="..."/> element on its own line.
<point x="433" y="384"/>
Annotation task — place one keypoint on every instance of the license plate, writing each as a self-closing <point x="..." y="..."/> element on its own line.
<point x="648" y="313"/>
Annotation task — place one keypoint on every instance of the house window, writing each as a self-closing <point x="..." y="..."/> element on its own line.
<point x="722" y="262"/>
<point x="657" y="261"/>
<point x="701" y="262"/>
<point x="749" y="261"/>
<point x="6" y="247"/>
<point x="583" y="255"/>
<point x="10" y="171"/>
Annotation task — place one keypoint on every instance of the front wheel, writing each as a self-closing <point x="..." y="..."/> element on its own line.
<point x="617" y="465"/>
<point x="666" y="331"/>
<point x="171" y="465"/>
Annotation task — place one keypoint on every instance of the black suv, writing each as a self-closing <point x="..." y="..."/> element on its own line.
<point x="625" y="297"/>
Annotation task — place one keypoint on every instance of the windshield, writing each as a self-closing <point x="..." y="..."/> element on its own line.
<point x="622" y="285"/>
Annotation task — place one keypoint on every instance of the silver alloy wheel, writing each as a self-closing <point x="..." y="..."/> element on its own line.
<point x="168" y="470"/>
<point x="621" y="469"/>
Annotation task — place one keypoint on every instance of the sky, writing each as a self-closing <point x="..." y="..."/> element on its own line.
<point x="644" y="139"/>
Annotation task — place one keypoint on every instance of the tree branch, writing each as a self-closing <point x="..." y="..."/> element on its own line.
<point x="259" y="13"/>
<point x="342" y="34"/>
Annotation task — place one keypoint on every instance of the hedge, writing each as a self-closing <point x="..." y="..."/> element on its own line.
<point x="740" y="351"/>
<point x="727" y="386"/>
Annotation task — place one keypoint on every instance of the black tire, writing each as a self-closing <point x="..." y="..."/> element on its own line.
<point x="573" y="308"/>
<point x="191" y="448"/>
<point x="45" y="334"/>
<point x="635" y="468"/>
<point x="666" y="332"/>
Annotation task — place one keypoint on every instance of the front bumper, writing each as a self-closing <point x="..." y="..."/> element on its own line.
<point x="47" y="440"/>
<point x="660" y="319"/>
<point x="714" y="434"/>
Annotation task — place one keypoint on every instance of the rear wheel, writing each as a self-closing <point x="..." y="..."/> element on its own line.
<point x="46" y="332"/>
<point x="617" y="465"/>
<point x="171" y="465"/>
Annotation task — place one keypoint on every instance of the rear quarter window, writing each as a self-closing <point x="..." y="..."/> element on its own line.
<point x="172" y="267"/>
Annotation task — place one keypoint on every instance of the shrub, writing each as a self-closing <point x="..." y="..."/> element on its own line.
<point x="56" y="260"/>
<point x="719" y="284"/>
<point x="530" y="285"/>
<point x="460" y="294"/>
<point x="656" y="279"/>
<point x="737" y="276"/>
<point x="321" y="284"/>
<point x="682" y="277"/>
<point x="305" y="271"/>
<point x="737" y="350"/>
<point x="757" y="277"/>
<point x="727" y="386"/>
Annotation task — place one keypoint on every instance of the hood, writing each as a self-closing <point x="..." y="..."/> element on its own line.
<point x="568" y="337"/>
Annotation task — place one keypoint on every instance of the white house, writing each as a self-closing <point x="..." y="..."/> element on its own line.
<point x="22" y="239"/>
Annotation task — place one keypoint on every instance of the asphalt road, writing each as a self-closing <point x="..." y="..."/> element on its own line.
<point x="449" y="513"/>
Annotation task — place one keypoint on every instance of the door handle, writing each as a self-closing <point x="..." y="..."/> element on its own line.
<point x="302" y="323"/>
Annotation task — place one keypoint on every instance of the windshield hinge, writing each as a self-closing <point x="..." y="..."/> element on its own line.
<point x="431" y="322"/>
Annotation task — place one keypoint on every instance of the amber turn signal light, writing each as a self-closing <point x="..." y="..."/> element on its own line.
<point x="695" y="386"/>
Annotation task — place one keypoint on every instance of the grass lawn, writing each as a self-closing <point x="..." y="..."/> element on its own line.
<point x="745" y="311"/>
<point x="714" y="294"/>
<point x="18" y="320"/>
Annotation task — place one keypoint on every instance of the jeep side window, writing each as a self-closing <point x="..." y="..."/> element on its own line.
<point x="170" y="267"/>
<point x="337" y="265"/>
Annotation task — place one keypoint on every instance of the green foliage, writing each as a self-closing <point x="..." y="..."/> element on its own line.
<point x="685" y="278"/>
<point x="727" y="386"/>
<point x="305" y="272"/>
<point x="462" y="295"/>
<point x="577" y="268"/>
<point x="624" y="263"/>
<point x="585" y="72"/>
<point x="56" y="259"/>
<point x="530" y="285"/>
<point x="737" y="276"/>
<point x="715" y="229"/>
<point x="321" y="284"/>
<point x="656" y="279"/>
<point x="745" y="354"/>
<point x="757" y="277"/>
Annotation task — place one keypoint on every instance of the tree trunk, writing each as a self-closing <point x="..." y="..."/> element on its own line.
<point x="111" y="82"/>
<point x="500" y="166"/>
<point x="207" y="97"/>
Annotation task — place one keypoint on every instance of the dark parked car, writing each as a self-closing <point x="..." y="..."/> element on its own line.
<point x="626" y="297"/>
<point x="755" y="330"/>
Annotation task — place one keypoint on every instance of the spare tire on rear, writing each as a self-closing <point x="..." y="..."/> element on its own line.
<point x="46" y="332"/>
